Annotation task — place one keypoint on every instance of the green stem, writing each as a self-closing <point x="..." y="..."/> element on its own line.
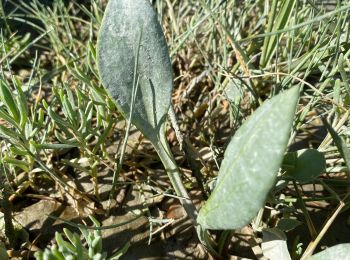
<point x="162" y="147"/>
<point x="164" y="152"/>
<point x="309" y="223"/>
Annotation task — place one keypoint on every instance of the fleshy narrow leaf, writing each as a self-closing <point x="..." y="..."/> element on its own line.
<point x="7" y="98"/>
<point x="341" y="251"/>
<point x="340" y="143"/>
<point x="123" y="24"/>
<point x="250" y="165"/>
<point x="54" y="146"/>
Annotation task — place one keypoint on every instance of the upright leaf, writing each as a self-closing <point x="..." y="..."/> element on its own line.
<point x="123" y="23"/>
<point x="276" y="22"/>
<point x="251" y="163"/>
<point x="340" y="143"/>
<point x="7" y="98"/>
<point x="132" y="48"/>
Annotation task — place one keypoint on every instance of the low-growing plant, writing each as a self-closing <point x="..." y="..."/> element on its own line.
<point x="73" y="128"/>
<point x="135" y="68"/>
<point x="74" y="248"/>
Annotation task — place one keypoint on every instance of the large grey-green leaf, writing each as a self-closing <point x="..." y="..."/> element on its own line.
<point x="250" y="165"/>
<point x="341" y="251"/>
<point x="123" y="23"/>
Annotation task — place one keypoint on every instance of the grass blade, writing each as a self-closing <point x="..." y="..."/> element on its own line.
<point x="281" y="20"/>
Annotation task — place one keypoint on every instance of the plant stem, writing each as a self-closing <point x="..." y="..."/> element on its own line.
<point x="164" y="152"/>
<point x="167" y="158"/>
<point x="313" y="244"/>
<point x="190" y="153"/>
<point x="309" y="223"/>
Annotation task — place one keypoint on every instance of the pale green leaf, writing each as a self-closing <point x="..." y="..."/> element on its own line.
<point x="340" y="144"/>
<point x="121" y="251"/>
<point x="274" y="244"/>
<point x="123" y="24"/>
<point x="308" y="164"/>
<point x="277" y="22"/>
<point x="3" y="252"/>
<point x="54" y="146"/>
<point x="19" y="163"/>
<point x="341" y="251"/>
<point x="251" y="163"/>
<point x="7" y="98"/>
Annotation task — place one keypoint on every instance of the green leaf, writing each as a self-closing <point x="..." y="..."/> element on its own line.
<point x="124" y="23"/>
<point x="58" y="120"/>
<point x="343" y="73"/>
<point x="19" y="163"/>
<point x="341" y="251"/>
<point x="75" y="241"/>
<point x="8" y="133"/>
<point x="9" y="101"/>
<point x="135" y="68"/>
<point x="274" y="244"/>
<point x="55" y="146"/>
<point x="4" y="115"/>
<point x="97" y="244"/>
<point x="276" y="23"/>
<point x="287" y="224"/>
<point x="121" y="251"/>
<point x="3" y="252"/>
<point x="340" y="143"/>
<point x="60" y="242"/>
<point x="21" y="101"/>
<point x="250" y="165"/>
<point x="308" y="165"/>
